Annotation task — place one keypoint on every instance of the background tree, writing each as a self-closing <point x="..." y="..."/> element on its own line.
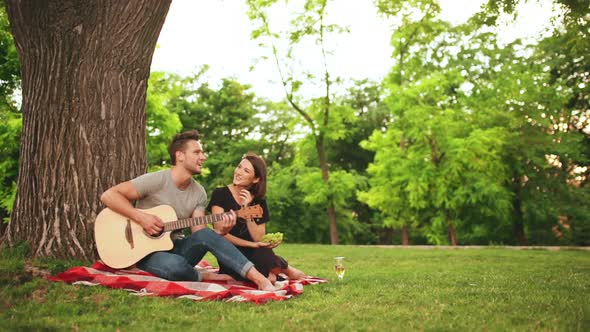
<point x="546" y="87"/>
<point x="448" y="165"/>
<point x="500" y="87"/>
<point x="323" y="117"/>
<point x="366" y="98"/>
<point x="415" y="25"/>
<point x="84" y="69"/>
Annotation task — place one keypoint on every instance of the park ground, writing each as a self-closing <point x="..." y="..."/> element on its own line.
<point x="384" y="289"/>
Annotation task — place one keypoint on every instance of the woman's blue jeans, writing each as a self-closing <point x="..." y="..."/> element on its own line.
<point x="179" y="263"/>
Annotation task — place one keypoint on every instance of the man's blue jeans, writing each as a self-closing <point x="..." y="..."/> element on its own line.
<point x="179" y="263"/>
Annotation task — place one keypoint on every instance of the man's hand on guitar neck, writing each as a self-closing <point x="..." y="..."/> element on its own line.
<point x="227" y="222"/>
<point x="153" y="225"/>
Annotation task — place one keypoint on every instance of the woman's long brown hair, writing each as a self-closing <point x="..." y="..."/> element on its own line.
<point x="258" y="189"/>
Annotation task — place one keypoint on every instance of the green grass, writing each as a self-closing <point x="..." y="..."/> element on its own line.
<point x="384" y="289"/>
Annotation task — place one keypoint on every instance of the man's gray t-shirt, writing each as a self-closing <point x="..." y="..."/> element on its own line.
<point x="158" y="188"/>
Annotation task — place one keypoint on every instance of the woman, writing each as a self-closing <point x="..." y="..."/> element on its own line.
<point x="249" y="187"/>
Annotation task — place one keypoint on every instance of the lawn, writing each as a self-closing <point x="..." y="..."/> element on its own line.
<point x="384" y="289"/>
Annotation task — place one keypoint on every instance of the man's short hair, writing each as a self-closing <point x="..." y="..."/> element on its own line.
<point x="179" y="143"/>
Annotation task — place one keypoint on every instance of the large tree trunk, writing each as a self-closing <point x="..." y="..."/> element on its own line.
<point x="84" y="66"/>
<point x="326" y="177"/>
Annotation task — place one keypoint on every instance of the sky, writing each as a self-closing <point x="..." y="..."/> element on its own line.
<point x="217" y="33"/>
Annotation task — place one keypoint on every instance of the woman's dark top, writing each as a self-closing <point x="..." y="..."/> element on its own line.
<point x="264" y="259"/>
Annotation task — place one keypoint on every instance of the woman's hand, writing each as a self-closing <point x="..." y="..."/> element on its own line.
<point x="267" y="244"/>
<point x="245" y="197"/>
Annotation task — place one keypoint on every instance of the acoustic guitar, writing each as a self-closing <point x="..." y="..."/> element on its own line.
<point x="121" y="242"/>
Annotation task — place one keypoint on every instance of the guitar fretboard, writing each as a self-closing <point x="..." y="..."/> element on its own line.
<point x="188" y="222"/>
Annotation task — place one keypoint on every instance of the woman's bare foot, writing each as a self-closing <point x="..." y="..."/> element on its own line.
<point x="267" y="287"/>
<point x="294" y="274"/>
<point x="215" y="276"/>
<point x="261" y="282"/>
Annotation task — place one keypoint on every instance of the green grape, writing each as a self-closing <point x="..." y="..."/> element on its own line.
<point x="272" y="238"/>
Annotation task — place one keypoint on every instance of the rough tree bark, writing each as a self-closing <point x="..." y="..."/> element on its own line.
<point x="84" y="66"/>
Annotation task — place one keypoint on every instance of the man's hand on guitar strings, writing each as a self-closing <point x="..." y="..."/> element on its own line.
<point x="152" y="224"/>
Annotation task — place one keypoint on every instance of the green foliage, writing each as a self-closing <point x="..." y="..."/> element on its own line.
<point x="483" y="135"/>
<point x="542" y="98"/>
<point x="289" y="213"/>
<point x="298" y="199"/>
<point x="9" y="64"/>
<point x="574" y="10"/>
<point x="10" y="118"/>
<point x="162" y="122"/>
<point x="369" y="112"/>
<point x="276" y="130"/>
<point x="10" y="130"/>
<point x="434" y="162"/>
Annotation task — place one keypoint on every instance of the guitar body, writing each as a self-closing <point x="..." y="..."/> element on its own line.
<point x="122" y="242"/>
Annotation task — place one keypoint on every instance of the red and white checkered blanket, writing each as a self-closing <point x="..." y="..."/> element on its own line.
<point x="145" y="284"/>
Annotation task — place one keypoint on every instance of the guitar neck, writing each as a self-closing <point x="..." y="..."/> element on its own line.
<point x="188" y="222"/>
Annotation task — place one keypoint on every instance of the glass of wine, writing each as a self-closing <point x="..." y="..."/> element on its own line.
<point x="339" y="267"/>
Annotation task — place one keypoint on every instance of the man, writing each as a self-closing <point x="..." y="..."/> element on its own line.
<point x="176" y="187"/>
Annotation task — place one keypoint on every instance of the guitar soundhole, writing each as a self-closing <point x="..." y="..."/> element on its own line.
<point x="156" y="236"/>
<point x="129" y="234"/>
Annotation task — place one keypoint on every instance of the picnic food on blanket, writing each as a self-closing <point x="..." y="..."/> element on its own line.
<point x="272" y="238"/>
